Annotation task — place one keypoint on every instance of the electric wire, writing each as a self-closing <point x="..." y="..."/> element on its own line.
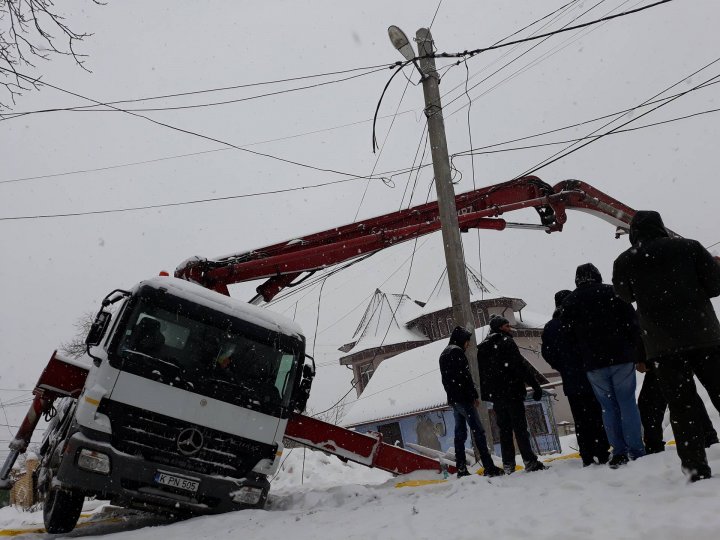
<point x="407" y="280"/>
<point x="472" y="151"/>
<point x="387" y="135"/>
<point x="204" y="105"/>
<point x="533" y="63"/>
<point x="569" y="150"/>
<point x="436" y="12"/>
<point x="180" y="203"/>
<point x="187" y="131"/>
<point x="580" y="139"/>
<point x="556" y="15"/>
<point x="474" y="52"/>
<point x="387" y="331"/>
<point x="192" y="154"/>
<point x="472" y="167"/>
<point x="578" y="124"/>
<point x="205" y="91"/>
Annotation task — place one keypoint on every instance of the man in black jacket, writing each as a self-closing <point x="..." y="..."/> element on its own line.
<point x="672" y="281"/>
<point x="504" y="374"/>
<point x="463" y="398"/>
<point x="560" y="352"/>
<point x="607" y="334"/>
<point x="652" y="405"/>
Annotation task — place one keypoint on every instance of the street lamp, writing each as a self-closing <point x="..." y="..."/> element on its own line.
<point x="401" y="42"/>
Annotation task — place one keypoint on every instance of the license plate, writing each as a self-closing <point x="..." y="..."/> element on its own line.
<point x="171" y="480"/>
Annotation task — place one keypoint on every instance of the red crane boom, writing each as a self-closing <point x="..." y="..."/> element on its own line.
<point x="282" y="263"/>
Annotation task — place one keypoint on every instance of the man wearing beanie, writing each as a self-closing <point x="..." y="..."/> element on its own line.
<point x="672" y="281"/>
<point x="560" y="352"/>
<point x="463" y="398"/>
<point x="504" y="374"/>
<point x="607" y="335"/>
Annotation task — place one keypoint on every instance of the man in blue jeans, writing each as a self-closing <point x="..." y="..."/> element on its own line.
<point x="463" y="398"/>
<point x="608" y="338"/>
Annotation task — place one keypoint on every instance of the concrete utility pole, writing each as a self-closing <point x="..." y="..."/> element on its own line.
<point x="454" y="257"/>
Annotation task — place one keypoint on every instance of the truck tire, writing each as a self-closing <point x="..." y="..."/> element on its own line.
<point x="61" y="510"/>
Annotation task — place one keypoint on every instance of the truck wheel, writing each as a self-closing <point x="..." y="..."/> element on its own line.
<point x="61" y="510"/>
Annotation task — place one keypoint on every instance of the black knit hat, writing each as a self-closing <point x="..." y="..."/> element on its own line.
<point x="496" y="321"/>
<point x="560" y="296"/>
<point x="459" y="336"/>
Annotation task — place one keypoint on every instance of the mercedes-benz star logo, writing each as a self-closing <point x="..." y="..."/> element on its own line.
<point x="190" y="441"/>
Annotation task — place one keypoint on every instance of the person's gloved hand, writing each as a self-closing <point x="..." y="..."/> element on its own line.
<point x="537" y="394"/>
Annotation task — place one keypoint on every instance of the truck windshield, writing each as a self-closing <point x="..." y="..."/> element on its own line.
<point x="175" y="342"/>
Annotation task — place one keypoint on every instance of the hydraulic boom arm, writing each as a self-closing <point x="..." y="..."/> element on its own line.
<point x="281" y="264"/>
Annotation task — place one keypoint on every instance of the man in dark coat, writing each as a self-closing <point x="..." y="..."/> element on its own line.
<point x="672" y="281"/>
<point x="560" y="352"/>
<point x="652" y="405"/>
<point x="463" y="398"/>
<point x="607" y="334"/>
<point x="504" y="374"/>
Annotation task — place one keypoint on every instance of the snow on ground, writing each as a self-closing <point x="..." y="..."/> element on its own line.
<point x="647" y="499"/>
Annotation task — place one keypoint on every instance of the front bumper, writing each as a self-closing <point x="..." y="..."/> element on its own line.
<point x="131" y="482"/>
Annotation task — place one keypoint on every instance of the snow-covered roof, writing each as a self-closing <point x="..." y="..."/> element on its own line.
<point x="404" y="384"/>
<point x="407" y="383"/>
<point x="531" y="319"/>
<point x="225" y="304"/>
<point x="383" y="323"/>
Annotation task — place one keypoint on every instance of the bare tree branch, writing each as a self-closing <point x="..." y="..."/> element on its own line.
<point x="31" y="29"/>
<point x="75" y="348"/>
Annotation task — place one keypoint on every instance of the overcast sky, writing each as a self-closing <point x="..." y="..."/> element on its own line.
<point x="56" y="269"/>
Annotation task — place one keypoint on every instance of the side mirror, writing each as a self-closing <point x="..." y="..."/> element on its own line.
<point x="98" y="328"/>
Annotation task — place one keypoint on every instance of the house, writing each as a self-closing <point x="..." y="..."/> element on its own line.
<point x="393" y="323"/>
<point x="412" y="334"/>
<point x="406" y="402"/>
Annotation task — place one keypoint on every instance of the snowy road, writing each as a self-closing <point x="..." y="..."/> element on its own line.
<point x="648" y="499"/>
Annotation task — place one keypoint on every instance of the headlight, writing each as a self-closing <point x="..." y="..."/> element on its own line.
<point x="93" y="461"/>
<point x="247" y="495"/>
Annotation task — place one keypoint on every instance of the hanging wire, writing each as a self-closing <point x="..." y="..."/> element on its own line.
<point x="569" y="150"/>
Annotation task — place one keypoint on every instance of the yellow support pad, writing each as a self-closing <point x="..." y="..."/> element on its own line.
<point x="415" y="483"/>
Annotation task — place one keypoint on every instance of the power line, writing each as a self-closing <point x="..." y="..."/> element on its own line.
<point x="210" y="90"/>
<point x="580" y="139"/>
<point x="435" y="15"/>
<point x="474" y="52"/>
<point x="584" y="122"/>
<point x="533" y="63"/>
<point x="182" y="130"/>
<point x="191" y="154"/>
<point x="387" y="135"/>
<point x="557" y="14"/>
<point x="563" y="153"/>
<point x="182" y="203"/>
<point x="203" y="105"/>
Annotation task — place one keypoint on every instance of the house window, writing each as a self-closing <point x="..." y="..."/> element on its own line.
<point x="442" y="327"/>
<point x="391" y="434"/>
<point x="536" y="419"/>
<point x="366" y="373"/>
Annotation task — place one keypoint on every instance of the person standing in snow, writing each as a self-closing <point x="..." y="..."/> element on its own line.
<point x="606" y="331"/>
<point x="463" y="398"/>
<point x="672" y="281"/>
<point x="504" y="374"/>
<point x="652" y="405"/>
<point x="560" y="352"/>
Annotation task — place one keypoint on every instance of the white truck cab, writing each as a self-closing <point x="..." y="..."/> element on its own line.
<point x="184" y="408"/>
